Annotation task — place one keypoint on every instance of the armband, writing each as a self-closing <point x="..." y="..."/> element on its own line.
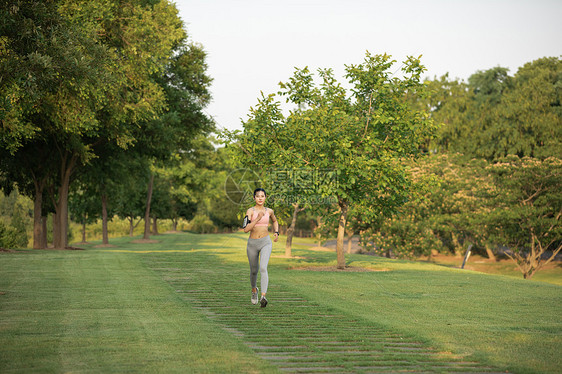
<point x="246" y="222"/>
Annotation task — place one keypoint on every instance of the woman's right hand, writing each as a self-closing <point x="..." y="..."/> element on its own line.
<point x="260" y="214"/>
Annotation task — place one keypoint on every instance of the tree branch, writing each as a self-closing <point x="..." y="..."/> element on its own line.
<point x="516" y="261"/>
<point x="554" y="253"/>
<point x="532" y="196"/>
<point x="556" y="219"/>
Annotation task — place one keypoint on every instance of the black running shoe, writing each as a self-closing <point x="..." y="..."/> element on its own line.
<point x="263" y="302"/>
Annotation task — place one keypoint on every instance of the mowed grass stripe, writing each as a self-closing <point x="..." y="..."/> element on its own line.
<point x="293" y="333"/>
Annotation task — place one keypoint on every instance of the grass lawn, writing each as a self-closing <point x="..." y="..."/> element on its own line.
<point x="551" y="273"/>
<point x="182" y="305"/>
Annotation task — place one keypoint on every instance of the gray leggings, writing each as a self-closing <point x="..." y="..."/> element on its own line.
<point x="258" y="251"/>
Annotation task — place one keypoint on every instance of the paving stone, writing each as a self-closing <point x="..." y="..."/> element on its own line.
<point x="297" y="335"/>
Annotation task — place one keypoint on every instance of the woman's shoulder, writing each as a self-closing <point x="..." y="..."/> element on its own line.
<point x="249" y="211"/>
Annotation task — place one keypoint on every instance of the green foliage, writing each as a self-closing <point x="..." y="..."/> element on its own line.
<point x="527" y="210"/>
<point x="20" y="233"/>
<point x="202" y="224"/>
<point x="532" y="110"/>
<point x="442" y="215"/>
<point x="53" y="76"/>
<point x="496" y="115"/>
<point x="361" y="138"/>
<point x="9" y="236"/>
<point x="404" y="236"/>
<point x="515" y="203"/>
<point x="83" y="80"/>
<point x="15" y="219"/>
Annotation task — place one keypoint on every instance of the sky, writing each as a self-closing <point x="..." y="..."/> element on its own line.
<point x="252" y="45"/>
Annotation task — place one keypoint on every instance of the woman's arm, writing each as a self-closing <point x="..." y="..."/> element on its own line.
<point x="251" y="225"/>
<point x="275" y="223"/>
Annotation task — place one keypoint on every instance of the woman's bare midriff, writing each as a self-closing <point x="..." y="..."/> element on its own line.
<point x="259" y="232"/>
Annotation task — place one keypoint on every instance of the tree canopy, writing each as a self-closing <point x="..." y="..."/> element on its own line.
<point x="78" y="74"/>
<point x="350" y="145"/>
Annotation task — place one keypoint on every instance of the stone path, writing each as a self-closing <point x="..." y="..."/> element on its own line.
<point x="296" y="334"/>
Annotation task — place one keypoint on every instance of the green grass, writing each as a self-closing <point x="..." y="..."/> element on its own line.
<point x="101" y="311"/>
<point x="551" y="273"/>
<point x="182" y="305"/>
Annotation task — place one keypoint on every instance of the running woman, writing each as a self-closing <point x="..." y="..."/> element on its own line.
<point x="259" y="243"/>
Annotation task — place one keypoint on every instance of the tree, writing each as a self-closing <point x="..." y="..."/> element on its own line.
<point x="503" y="114"/>
<point x="52" y="81"/>
<point x="83" y="206"/>
<point x="445" y="214"/>
<point x="527" y="210"/>
<point x="78" y="72"/>
<point x="186" y="88"/>
<point x="130" y="195"/>
<point x="354" y="144"/>
<point x="532" y="111"/>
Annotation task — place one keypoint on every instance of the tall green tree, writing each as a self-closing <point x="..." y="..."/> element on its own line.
<point x="53" y="80"/>
<point x="532" y="111"/>
<point x="447" y="214"/>
<point x="89" y="66"/>
<point x="527" y="210"/>
<point x="495" y="114"/>
<point x="186" y="87"/>
<point x="83" y="206"/>
<point x="360" y="138"/>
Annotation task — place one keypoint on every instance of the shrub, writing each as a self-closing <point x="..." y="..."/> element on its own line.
<point x="11" y="237"/>
<point x="202" y="224"/>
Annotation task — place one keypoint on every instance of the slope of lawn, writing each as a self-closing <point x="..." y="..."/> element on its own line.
<point x="551" y="273"/>
<point x="129" y="308"/>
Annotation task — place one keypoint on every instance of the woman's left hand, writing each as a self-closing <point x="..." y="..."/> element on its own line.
<point x="275" y="236"/>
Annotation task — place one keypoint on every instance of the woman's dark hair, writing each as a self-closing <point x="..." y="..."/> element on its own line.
<point x="259" y="189"/>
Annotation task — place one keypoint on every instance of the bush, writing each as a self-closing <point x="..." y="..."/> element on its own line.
<point x="202" y="224"/>
<point x="18" y="224"/>
<point x="406" y="236"/>
<point x="12" y="237"/>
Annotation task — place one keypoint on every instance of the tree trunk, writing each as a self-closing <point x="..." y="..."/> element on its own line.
<point x="147" y="211"/>
<point x="105" y="236"/>
<point x="155" y="225"/>
<point x="175" y="224"/>
<point x="60" y="230"/>
<point x="55" y="233"/>
<point x="60" y="240"/>
<point x="131" y="227"/>
<point x="490" y="253"/>
<point x="291" y="231"/>
<point x="341" y="233"/>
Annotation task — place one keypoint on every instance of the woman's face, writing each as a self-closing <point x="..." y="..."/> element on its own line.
<point x="260" y="197"/>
